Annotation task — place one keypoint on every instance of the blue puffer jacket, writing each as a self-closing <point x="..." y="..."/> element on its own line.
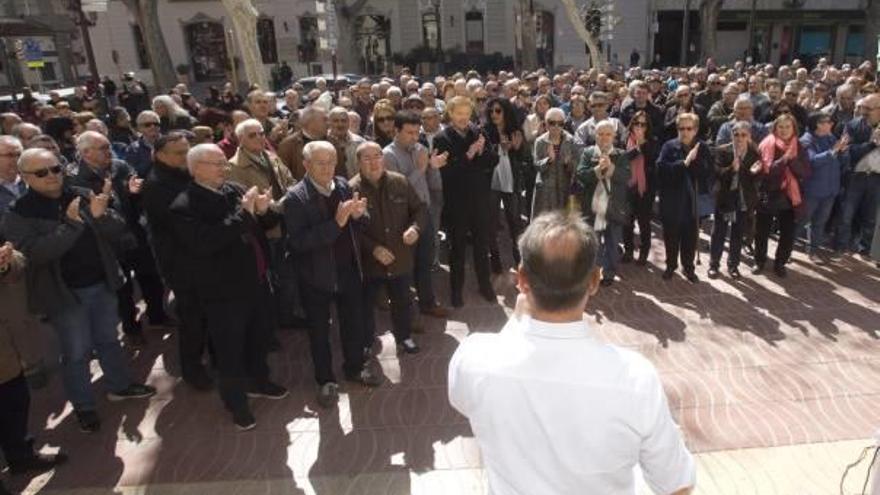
<point x="827" y="166"/>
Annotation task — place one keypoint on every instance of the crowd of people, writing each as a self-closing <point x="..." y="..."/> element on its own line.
<point x="264" y="211"/>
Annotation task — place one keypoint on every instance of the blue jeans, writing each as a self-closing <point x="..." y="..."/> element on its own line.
<point x="862" y="196"/>
<point x="818" y="211"/>
<point x="609" y="240"/>
<point x="88" y="327"/>
<point x="423" y="263"/>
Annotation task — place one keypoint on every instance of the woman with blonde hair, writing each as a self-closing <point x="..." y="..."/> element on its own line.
<point x="784" y="164"/>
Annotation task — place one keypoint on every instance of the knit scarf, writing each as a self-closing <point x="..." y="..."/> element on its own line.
<point x="637" y="166"/>
<point x="768" y="149"/>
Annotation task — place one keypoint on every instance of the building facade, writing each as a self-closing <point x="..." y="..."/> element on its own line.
<point x="47" y="25"/>
<point x="388" y="32"/>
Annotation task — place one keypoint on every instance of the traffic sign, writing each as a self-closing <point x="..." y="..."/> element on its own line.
<point x="33" y="53"/>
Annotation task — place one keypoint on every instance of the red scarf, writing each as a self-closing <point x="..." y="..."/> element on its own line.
<point x="768" y="148"/>
<point x="637" y="166"/>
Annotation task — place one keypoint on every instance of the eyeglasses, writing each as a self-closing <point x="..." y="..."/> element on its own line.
<point x="254" y="134"/>
<point x="42" y="173"/>
<point x="555" y="123"/>
<point x="103" y="147"/>
<point x="149" y="124"/>
<point x="685" y="129"/>
<point x="14" y="154"/>
<point x="640" y="124"/>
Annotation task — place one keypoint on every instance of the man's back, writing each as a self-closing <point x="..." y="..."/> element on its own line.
<point x="556" y="410"/>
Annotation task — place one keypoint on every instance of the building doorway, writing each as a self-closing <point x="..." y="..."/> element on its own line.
<point x="373" y="41"/>
<point x="207" y="48"/>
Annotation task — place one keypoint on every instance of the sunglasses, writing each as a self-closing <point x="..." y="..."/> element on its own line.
<point x="685" y="128"/>
<point x="598" y="105"/>
<point x="149" y="124"/>
<point x="740" y="134"/>
<point x="555" y="123"/>
<point x="640" y="124"/>
<point x="42" y="173"/>
<point x="384" y="119"/>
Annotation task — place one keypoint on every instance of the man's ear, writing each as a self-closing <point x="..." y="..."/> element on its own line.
<point x="594" y="278"/>
<point x="522" y="283"/>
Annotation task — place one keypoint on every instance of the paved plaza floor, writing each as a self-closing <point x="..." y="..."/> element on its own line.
<point x="763" y="416"/>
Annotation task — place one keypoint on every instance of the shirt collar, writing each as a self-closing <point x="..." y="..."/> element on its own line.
<point x="323" y="191"/>
<point x="546" y="330"/>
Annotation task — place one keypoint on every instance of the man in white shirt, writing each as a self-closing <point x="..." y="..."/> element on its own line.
<point x="554" y="409"/>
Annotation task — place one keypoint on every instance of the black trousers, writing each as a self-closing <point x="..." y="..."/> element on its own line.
<point x="514" y="223"/>
<point x="470" y="224"/>
<point x="680" y="238"/>
<point x="140" y="266"/>
<point x="763" y="224"/>
<point x="401" y="306"/>
<point x="15" y="404"/>
<point x="642" y="209"/>
<point x="719" y="235"/>
<point x="349" y="300"/>
<point x="192" y="333"/>
<point x="239" y="330"/>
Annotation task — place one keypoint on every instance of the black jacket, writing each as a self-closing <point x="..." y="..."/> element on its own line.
<point x="312" y="232"/>
<point x="219" y="240"/>
<point x="727" y="194"/>
<point x="161" y="188"/>
<point x="466" y="182"/>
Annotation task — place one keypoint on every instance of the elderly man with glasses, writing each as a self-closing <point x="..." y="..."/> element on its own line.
<point x="95" y="167"/>
<point x="140" y="153"/>
<point x="70" y="237"/>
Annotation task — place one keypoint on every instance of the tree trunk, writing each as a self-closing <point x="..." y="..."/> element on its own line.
<point x="244" y="15"/>
<point x="347" y="53"/>
<point x="872" y="30"/>
<point x="709" y="12"/>
<point x="146" y="15"/>
<point x="571" y="9"/>
<point x="529" y="60"/>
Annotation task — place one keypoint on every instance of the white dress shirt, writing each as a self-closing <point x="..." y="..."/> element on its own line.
<point x="557" y="411"/>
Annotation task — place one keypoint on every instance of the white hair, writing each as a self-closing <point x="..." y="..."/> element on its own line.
<point x="17" y="129"/>
<point x="169" y="102"/>
<point x="428" y="86"/>
<point x="473" y="85"/>
<point x="198" y="152"/>
<point x="337" y="110"/>
<point x="555" y="111"/>
<point x="144" y="115"/>
<point x="395" y="90"/>
<point x="97" y="125"/>
<point x="743" y="99"/>
<point x="310" y="148"/>
<point x="244" y="125"/>
<point x="604" y="124"/>
<point x="87" y="139"/>
<point x="31" y="154"/>
<point x="11" y="141"/>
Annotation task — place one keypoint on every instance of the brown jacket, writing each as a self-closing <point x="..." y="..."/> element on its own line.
<point x="248" y="172"/>
<point x="394" y="207"/>
<point x="290" y="150"/>
<point x="19" y="331"/>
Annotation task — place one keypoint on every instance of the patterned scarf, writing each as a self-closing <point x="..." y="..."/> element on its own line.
<point x="768" y="149"/>
<point x="637" y="166"/>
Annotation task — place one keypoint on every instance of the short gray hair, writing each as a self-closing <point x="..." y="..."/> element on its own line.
<point x="31" y="154"/>
<point x="743" y="99"/>
<point x="88" y="139"/>
<point x="244" y="125"/>
<point x="21" y="126"/>
<point x="197" y="153"/>
<point x="741" y="125"/>
<point x="97" y="125"/>
<point x="558" y="255"/>
<point x="11" y="141"/>
<point x="554" y="111"/>
<point x="606" y="124"/>
<point x="310" y="148"/>
<point x="145" y="114"/>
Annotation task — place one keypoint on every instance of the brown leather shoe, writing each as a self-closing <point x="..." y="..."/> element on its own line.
<point x="437" y="311"/>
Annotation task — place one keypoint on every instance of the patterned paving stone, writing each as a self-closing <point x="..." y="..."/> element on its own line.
<point x="763" y="416"/>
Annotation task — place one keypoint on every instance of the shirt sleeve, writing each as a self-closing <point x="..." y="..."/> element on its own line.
<point x="667" y="464"/>
<point x="459" y="387"/>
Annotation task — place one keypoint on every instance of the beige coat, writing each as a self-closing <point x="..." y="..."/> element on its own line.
<point x="19" y="331"/>
<point x="248" y="172"/>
